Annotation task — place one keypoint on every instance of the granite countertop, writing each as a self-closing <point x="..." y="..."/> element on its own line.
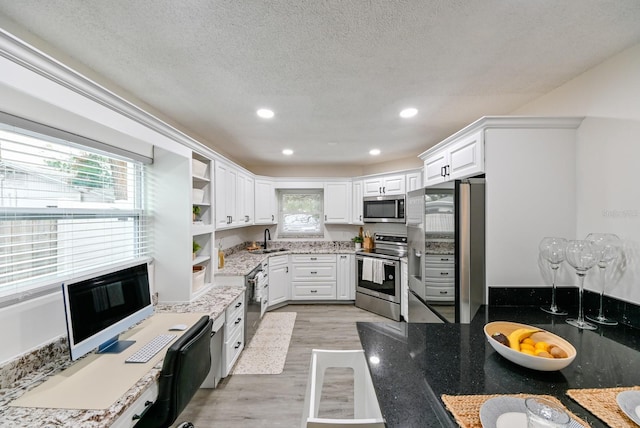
<point x="420" y="362"/>
<point x="56" y="358"/>
<point x="241" y="263"/>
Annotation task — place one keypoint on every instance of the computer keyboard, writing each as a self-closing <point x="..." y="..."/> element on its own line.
<point x="154" y="346"/>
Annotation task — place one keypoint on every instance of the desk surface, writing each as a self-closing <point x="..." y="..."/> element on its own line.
<point x="213" y="303"/>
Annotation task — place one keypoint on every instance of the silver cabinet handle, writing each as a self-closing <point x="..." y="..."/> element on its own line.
<point x="246" y="219"/>
<point x="418" y="253"/>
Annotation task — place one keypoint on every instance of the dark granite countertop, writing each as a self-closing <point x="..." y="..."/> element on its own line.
<point x="420" y="362"/>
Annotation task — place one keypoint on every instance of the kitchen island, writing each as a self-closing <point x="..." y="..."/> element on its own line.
<point x="417" y="363"/>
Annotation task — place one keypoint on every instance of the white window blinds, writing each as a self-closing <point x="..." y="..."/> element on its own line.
<point x="65" y="210"/>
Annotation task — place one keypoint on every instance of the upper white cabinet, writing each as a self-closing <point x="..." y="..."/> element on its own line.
<point x="357" y="206"/>
<point x="414" y="181"/>
<point x="234" y="198"/>
<point x="384" y="185"/>
<point x="265" y="202"/>
<point x="459" y="158"/>
<point x="337" y="202"/>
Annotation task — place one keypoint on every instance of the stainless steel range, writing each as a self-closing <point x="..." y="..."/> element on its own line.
<point x="378" y="286"/>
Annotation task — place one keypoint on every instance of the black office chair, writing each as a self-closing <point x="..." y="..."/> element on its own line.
<point x="184" y="368"/>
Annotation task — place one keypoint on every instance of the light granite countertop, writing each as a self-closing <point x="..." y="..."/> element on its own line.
<point x="242" y="262"/>
<point x="29" y="371"/>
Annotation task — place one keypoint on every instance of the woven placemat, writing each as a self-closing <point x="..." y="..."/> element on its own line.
<point x="602" y="403"/>
<point x="466" y="408"/>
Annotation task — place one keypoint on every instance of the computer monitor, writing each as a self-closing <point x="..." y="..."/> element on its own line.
<point x="99" y="308"/>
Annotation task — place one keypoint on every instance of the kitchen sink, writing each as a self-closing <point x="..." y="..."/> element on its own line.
<point x="268" y="251"/>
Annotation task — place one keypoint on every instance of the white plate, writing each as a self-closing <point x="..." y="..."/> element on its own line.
<point x="508" y="412"/>
<point x="629" y="402"/>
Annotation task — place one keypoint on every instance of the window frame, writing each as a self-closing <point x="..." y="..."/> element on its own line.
<point x="281" y="214"/>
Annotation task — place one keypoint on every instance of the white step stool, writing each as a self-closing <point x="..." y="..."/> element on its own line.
<point x="366" y="410"/>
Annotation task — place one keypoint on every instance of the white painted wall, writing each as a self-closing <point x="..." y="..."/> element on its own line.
<point x="607" y="156"/>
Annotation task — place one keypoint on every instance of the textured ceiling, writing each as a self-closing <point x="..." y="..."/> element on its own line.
<point x="335" y="72"/>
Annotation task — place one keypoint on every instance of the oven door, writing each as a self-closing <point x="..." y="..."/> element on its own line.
<point x="390" y="287"/>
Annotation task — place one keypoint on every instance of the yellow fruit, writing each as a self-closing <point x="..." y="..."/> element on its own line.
<point x="518" y="335"/>
<point x="529" y="341"/>
<point x="544" y="354"/>
<point x="527" y="351"/>
<point x="542" y="345"/>
<point x="527" y="347"/>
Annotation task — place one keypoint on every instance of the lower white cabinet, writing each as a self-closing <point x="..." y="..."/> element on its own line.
<point x="132" y="414"/>
<point x="439" y="278"/>
<point x="314" y="277"/>
<point x="233" y="334"/>
<point x="345" y="282"/>
<point x="279" y="280"/>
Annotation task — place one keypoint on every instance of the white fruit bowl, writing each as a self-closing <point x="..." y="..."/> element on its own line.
<point x="525" y="360"/>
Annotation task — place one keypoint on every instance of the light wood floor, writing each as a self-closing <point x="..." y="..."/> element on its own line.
<point x="277" y="400"/>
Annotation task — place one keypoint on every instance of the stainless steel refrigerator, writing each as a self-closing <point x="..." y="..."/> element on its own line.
<point x="446" y="251"/>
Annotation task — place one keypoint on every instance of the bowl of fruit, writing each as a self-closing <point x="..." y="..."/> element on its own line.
<point x="529" y="346"/>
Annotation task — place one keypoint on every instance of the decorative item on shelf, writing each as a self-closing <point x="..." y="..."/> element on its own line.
<point x="358" y="240"/>
<point x="198" y="277"/>
<point x="196" y="248"/>
<point x="196" y="212"/>
<point x="220" y="256"/>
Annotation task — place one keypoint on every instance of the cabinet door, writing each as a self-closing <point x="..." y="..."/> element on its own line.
<point x="265" y="203"/>
<point x="373" y="187"/>
<point x="394" y="185"/>
<point x="279" y="283"/>
<point x="346" y="287"/>
<point x="466" y="157"/>
<point x="414" y="181"/>
<point x="356" y="210"/>
<point x="434" y="166"/>
<point x="244" y="201"/>
<point x="337" y="203"/>
<point x="226" y="183"/>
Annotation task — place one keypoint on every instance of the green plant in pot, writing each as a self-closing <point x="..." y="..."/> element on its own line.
<point x="196" y="212"/>
<point x="358" y="240"/>
<point x="196" y="248"/>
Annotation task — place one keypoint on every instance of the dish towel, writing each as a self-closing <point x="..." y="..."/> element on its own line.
<point x="259" y="279"/>
<point x="378" y="271"/>
<point x="367" y="269"/>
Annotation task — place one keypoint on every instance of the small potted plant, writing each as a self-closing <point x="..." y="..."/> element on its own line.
<point x="196" y="212"/>
<point x="196" y="248"/>
<point x="358" y="240"/>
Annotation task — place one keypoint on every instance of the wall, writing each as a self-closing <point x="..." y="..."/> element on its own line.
<point x="607" y="154"/>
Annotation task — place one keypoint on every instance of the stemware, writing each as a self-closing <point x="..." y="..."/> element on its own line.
<point x="553" y="251"/>
<point x="610" y="246"/>
<point x="582" y="256"/>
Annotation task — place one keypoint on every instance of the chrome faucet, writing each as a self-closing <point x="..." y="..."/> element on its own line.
<point x="267" y="233"/>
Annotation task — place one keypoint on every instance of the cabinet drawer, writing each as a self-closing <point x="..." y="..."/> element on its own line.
<point x="278" y="260"/>
<point x="234" y="317"/>
<point x="444" y="272"/>
<point x="439" y="259"/>
<point x="232" y="348"/>
<point x="306" y="258"/>
<point x="314" y="291"/>
<point x="314" y="272"/>
<point x="149" y="395"/>
<point x="437" y="282"/>
<point x="440" y="292"/>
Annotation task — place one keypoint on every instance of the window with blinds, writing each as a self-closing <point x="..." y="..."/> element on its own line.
<point x="65" y="210"/>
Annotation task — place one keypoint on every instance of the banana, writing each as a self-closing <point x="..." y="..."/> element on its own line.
<point x="516" y="336"/>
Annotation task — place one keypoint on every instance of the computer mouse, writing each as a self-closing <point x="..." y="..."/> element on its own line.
<point x="178" y="327"/>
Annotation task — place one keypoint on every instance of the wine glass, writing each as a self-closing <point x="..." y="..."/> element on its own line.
<point x="553" y="251"/>
<point x="610" y="246"/>
<point x="582" y="256"/>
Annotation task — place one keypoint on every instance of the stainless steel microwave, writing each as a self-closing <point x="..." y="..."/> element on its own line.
<point x="384" y="209"/>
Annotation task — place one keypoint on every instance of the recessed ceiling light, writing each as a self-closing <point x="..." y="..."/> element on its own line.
<point x="265" y="113"/>
<point x="408" y="112"/>
<point x="287" y="152"/>
<point x="374" y="152"/>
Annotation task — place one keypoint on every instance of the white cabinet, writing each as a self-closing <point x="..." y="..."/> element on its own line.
<point x="234" y="197"/>
<point x="357" y="205"/>
<point x="337" y="202"/>
<point x="245" y="200"/>
<point x="440" y="278"/>
<point x="226" y="192"/>
<point x="233" y="334"/>
<point x="345" y="282"/>
<point x="385" y="185"/>
<point x="313" y="277"/>
<point x="279" y="280"/>
<point x="414" y="181"/>
<point x="265" y="202"/>
<point x="460" y="158"/>
<point x="132" y="413"/>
